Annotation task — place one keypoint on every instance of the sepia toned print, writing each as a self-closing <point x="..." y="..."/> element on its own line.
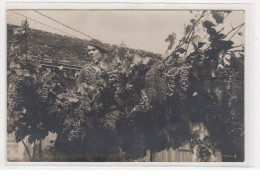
<point x="125" y="85"/>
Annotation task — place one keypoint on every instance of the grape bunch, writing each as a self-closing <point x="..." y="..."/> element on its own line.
<point x="184" y="77"/>
<point x="78" y="120"/>
<point x="13" y="98"/>
<point x="139" y="146"/>
<point x="117" y="79"/>
<point x="19" y="84"/>
<point x="126" y="91"/>
<point x="184" y="80"/>
<point x="229" y="74"/>
<point x="171" y="82"/>
<point x="79" y="112"/>
<point x="113" y="78"/>
<point x="204" y="153"/>
<point x="134" y="104"/>
<point x="43" y="94"/>
<point x="67" y="124"/>
<point x="118" y="83"/>
<point x="74" y="134"/>
<point x="177" y="80"/>
<point x="119" y="95"/>
<point x="73" y="128"/>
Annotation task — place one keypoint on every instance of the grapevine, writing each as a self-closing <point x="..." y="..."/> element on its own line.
<point x="155" y="103"/>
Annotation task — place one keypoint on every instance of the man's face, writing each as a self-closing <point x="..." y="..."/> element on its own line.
<point x="94" y="53"/>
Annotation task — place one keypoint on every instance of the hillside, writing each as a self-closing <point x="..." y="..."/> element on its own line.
<point x="56" y="48"/>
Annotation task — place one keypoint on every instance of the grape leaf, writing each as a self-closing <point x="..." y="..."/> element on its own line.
<point x="171" y="38"/>
<point x="73" y="100"/>
<point x="19" y="72"/>
<point x="182" y="50"/>
<point x="208" y="24"/>
<point x="137" y="59"/>
<point x="227" y="11"/>
<point x="187" y="29"/>
<point x="192" y="20"/>
<point x="241" y="33"/>
<point x="218" y="16"/>
<point x="60" y="67"/>
<point x="26" y="74"/>
<point x="200" y="44"/>
<point x="60" y="96"/>
<point x="195" y="39"/>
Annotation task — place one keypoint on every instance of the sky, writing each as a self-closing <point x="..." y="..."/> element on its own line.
<point x="146" y="30"/>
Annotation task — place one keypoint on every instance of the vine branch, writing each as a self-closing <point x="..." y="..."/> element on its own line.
<point x="27" y="150"/>
<point x="182" y="41"/>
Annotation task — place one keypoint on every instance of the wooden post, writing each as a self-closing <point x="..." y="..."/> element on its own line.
<point x="25" y="37"/>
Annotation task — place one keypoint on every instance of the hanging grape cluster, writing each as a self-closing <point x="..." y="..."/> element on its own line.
<point x="177" y="79"/>
<point x="230" y="74"/>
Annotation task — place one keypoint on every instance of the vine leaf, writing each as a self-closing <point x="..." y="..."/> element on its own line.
<point x="192" y="20"/>
<point x="27" y="75"/>
<point x="195" y="40"/>
<point x="147" y="60"/>
<point x="187" y="29"/>
<point x="182" y="50"/>
<point x="60" y="96"/>
<point x="137" y="59"/>
<point x="60" y="67"/>
<point x="195" y="47"/>
<point x="241" y="33"/>
<point x="219" y="93"/>
<point x="227" y="11"/>
<point x="19" y="72"/>
<point x="201" y="44"/>
<point x="73" y="100"/>
<point x="208" y="24"/>
<point x="171" y="38"/>
<point x="226" y="45"/>
<point x="218" y="16"/>
<point x="14" y="65"/>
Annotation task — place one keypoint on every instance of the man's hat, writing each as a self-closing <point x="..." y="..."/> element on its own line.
<point x="99" y="45"/>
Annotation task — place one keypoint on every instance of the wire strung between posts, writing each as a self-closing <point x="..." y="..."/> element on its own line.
<point x="64" y="25"/>
<point x="42" y="23"/>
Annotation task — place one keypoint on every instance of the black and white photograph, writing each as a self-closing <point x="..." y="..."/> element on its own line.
<point x="104" y="85"/>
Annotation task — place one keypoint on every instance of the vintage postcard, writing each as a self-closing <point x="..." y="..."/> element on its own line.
<point x="126" y="85"/>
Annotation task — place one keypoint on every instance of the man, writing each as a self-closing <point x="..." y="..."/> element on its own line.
<point x="93" y="82"/>
<point x="99" y="63"/>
